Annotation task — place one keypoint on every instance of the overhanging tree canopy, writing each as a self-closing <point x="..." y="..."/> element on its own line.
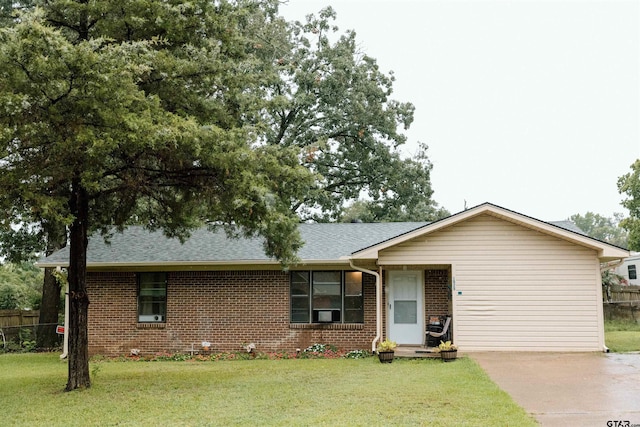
<point x="629" y="186"/>
<point x="602" y="228"/>
<point x="170" y="113"/>
<point x="142" y="109"/>
<point x="333" y="101"/>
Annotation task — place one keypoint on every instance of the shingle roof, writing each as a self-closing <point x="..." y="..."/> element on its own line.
<point x="322" y="242"/>
<point x="568" y="225"/>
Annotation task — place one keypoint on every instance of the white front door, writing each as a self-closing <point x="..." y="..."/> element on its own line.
<point x="406" y="312"/>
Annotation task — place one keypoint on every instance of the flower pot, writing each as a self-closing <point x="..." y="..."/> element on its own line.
<point x="448" y="355"/>
<point x="385" y="356"/>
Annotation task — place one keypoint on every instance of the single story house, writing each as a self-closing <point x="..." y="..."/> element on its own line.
<point x="510" y="283"/>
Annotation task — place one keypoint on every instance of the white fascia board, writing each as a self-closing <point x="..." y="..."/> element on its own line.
<point x="159" y="264"/>
<point x="181" y="265"/>
<point x="614" y="253"/>
<point x="64" y="264"/>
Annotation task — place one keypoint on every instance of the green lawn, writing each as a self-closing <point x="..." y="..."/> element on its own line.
<point x="622" y="337"/>
<point x="255" y="392"/>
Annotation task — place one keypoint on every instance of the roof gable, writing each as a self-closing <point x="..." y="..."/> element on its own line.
<point x="560" y="229"/>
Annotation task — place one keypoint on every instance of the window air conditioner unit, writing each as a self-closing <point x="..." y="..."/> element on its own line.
<point x="151" y="318"/>
<point x="325" y="316"/>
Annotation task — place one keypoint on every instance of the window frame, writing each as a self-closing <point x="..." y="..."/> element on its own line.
<point x="302" y="299"/>
<point x="631" y="268"/>
<point x="312" y="300"/>
<point x="157" y="316"/>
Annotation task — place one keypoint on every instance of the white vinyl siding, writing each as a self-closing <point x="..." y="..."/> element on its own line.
<point x="629" y="270"/>
<point x="515" y="288"/>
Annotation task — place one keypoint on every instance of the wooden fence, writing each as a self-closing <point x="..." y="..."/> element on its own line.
<point x="625" y="293"/>
<point x="624" y="303"/>
<point x="12" y="321"/>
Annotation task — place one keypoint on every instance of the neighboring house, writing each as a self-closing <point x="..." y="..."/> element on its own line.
<point x="630" y="269"/>
<point x="509" y="281"/>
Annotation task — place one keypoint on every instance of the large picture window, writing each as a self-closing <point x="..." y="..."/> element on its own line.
<point x="326" y="297"/>
<point x="152" y="297"/>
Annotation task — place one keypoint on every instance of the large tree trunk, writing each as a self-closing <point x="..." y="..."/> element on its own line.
<point x="78" y="298"/>
<point x="46" y="337"/>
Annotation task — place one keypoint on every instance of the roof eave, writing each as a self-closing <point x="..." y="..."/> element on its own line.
<point x="612" y="254"/>
<point x="190" y="265"/>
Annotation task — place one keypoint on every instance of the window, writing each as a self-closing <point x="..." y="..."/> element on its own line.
<point x="152" y="297"/>
<point x="632" y="271"/>
<point x="300" y="297"/>
<point x="326" y="297"/>
<point x="353" y="302"/>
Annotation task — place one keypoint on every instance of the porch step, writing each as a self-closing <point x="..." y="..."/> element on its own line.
<point x="413" y="352"/>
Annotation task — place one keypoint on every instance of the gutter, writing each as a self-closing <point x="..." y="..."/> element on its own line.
<point x="374" y="343"/>
<point x="611" y="264"/>
<point x="261" y="263"/>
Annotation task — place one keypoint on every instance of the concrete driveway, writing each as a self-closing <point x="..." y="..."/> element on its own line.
<point x="569" y="389"/>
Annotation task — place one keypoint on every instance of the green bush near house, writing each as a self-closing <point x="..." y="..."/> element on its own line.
<point x="256" y="392"/>
<point x="622" y="336"/>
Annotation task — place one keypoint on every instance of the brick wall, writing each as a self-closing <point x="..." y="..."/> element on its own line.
<point x="226" y="308"/>
<point x="437" y="294"/>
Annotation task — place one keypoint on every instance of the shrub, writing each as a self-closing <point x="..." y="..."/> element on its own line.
<point x="27" y="341"/>
<point x="11" y="296"/>
<point x="357" y="354"/>
<point x="315" y="351"/>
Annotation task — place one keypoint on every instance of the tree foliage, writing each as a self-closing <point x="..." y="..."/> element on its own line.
<point x="20" y="286"/>
<point x="173" y="114"/>
<point x="134" y="104"/>
<point x="333" y="101"/>
<point x="602" y="228"/>
<point x="22" y="242"/>
<point x="370" y="211"/>
<point x="141" y="109"/>
<point x="9" y="8"/>
<point x="629" y="186"/>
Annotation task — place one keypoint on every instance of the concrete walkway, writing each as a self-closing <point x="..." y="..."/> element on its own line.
<point x="569" y="389"/>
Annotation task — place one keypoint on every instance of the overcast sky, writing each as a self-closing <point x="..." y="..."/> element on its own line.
<point x="530" y="105"/>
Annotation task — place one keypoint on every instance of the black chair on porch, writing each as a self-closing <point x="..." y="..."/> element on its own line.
<point x="437" y="330"/>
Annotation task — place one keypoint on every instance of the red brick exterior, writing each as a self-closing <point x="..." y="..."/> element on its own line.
<point x="228" y="309"/>
<point x="437" y="292"/>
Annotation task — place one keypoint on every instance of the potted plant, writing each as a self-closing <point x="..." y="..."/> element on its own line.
<point x="448" y="351"/>
<point x="386" y="351"/>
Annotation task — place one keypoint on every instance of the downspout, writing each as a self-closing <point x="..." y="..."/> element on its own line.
<point x="65" y="348"/>
<point x="374" y="343"/>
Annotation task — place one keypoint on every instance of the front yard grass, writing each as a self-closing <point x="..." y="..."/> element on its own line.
<point x="621" y="336"/>
<point x="255" y="392"/>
